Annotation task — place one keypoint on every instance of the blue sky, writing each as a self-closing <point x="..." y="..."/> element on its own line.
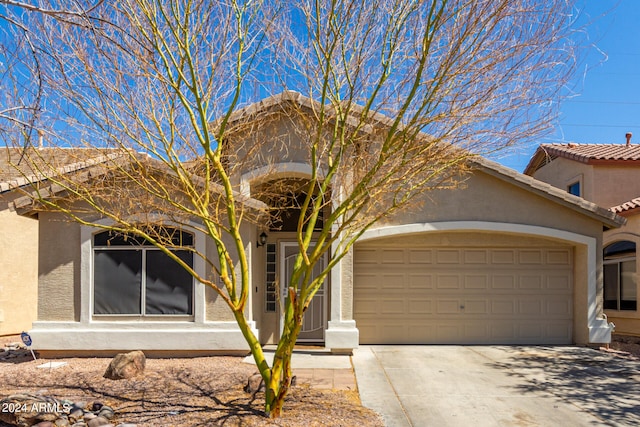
<point x="607" y="100"/>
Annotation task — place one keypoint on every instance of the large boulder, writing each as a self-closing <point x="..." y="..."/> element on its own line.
<point x="126" y="365"/>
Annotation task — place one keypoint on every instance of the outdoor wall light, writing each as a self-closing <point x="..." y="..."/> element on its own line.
<point x="262" y="239"/>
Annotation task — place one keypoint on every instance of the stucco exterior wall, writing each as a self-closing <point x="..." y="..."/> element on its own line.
<point x="59" y="269"/>
<point x="486" y="198"/>
<point x="19" y="266"/>
<point x="615" y="184"/>
<point x="562" y="172"/>
<point x="603" y="184"/>
<point x="216" y="308"/>
<point x="278" y="140"/>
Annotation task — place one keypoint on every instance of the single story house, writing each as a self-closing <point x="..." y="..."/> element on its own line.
<point x="503" y="259"/>
<point x="608" y="175"/>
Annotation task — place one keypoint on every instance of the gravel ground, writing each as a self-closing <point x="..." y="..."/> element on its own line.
<point x="204" y="391"/>
<point x="626" y="344"/>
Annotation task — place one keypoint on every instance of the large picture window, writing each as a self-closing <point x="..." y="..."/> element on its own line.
<point x="132" y="277"/>
<point x="620" y="282"/>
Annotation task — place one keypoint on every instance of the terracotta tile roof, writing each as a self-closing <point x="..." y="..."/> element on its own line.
<point x="626" y="206"/>
<point x="584" y="153"/>
<point x="19" y="166"/>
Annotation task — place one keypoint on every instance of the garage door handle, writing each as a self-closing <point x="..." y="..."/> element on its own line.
<point x="462" y="307"/>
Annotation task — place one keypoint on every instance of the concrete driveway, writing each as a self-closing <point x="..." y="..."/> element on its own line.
<point x="498" y="386"/>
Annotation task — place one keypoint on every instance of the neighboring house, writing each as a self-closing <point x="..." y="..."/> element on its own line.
<point x="608" y="175"/>
<point x="505" y="259"/>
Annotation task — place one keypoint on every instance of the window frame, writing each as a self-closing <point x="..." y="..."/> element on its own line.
<point x="575" y="184"/>
<point x="618" y="259"/>
<point x="86" y="277"/>
<point x="143" y="248"/>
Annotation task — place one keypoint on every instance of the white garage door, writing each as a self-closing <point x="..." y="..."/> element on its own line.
<point x="451" y="295"/>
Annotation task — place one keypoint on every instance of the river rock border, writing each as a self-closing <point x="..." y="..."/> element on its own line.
<point x="32" y="410"/>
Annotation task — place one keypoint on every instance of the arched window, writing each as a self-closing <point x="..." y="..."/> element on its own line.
<point x="620" y="289"/>
<point x="133" y="278"/>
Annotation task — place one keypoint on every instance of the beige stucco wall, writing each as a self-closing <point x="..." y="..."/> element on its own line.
<point x="59" y="269"/>
<point x="216" y="308"/>
<point x="603" y="184"/>
<point x="278" y="140"/>
<point x="614" y="184"/>
<point x="486" y="198"/>
<point x="627" y="322"/>
<point x="19" y="266"/>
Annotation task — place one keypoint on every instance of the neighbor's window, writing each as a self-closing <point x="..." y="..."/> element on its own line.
<point x="132" y="277"/>
<point x="620" y="289"/>
<point x="574" y="189"/>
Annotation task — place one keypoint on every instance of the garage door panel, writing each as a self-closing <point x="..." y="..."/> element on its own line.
<point x="391" y="256"/>
<point x="559" y="283"/>
<point x="464" y="295"/>
<point x="559" y="257"/>
<point x="476" y="256"/>
<point x="448" y="281"/>
<point x="420" y="306"/>
<point x="420" y="256"/>
<point x="394" y="306"/>
<point x="476" y="281"/>
<point x="448" y="256"/>
<point x="477" y="306"/>
<point x="530" y="282"/>
<point x="448" y="306"/>
<point x="531" y="307"/>
<point x="503" y="256"/>
<point x="503" y="281"/>
<point x="420" y="281"/>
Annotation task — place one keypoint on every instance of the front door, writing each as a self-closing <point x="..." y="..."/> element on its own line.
<point x="314" y="322"/>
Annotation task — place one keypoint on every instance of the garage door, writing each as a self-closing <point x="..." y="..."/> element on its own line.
<point x="448" y="295"/>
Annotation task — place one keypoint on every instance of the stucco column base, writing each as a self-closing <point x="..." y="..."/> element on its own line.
<point x="341" y="336"/>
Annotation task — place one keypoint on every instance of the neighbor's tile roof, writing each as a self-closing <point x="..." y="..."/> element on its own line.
<point x="584" y="153"/>
<point x="626" y="206"/>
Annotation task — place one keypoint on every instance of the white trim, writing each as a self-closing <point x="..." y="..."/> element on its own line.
<point x="125" y="336"/>
<point x="86" y="272"/>
<point x="599" y="329"/>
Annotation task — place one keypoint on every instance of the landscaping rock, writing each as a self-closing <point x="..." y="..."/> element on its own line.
<point x="98" y="422"/>
<point x="25" y="410"/>
<point x="254" y="384"/>
<point x="126" y="365"/>
<point x="36" y="410"/>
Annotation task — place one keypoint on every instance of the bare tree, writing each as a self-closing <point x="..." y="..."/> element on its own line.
<point x="398" y="96"/>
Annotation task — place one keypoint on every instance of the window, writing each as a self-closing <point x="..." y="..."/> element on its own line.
<point x="132" y="277"/>
<point x="270" y="288"/>
<point x="574" y="189"/>
<point x="620" y="289"/>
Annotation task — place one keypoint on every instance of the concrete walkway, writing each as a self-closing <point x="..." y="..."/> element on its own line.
<point x="498" y="386"/>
